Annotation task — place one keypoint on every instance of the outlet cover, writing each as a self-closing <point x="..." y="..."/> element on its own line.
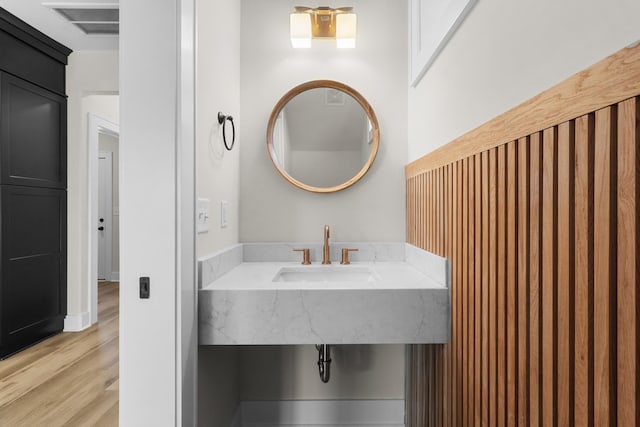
<point x="202" y="215"/>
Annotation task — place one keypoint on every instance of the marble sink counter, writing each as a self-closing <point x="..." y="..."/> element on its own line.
<point x="240" y="303"/>
<point x="260" y="275"/>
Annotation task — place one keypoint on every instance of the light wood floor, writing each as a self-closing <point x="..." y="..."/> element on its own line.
<point x="70" y="379"/>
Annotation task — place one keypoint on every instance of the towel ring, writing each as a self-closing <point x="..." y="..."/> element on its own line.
<point x="222" y="119"/>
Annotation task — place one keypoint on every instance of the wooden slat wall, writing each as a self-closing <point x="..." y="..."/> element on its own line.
<point x="542" y="232"/>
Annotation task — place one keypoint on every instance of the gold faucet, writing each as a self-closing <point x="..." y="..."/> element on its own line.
<point x="326" y="256"/>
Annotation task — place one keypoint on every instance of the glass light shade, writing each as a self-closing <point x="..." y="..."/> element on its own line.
<point x="300" y="30"/>
<point x="346" y="30"/>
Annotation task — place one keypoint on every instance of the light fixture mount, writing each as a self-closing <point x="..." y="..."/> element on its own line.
<point x="323" y="20"/>
<point x="323" y="23"/>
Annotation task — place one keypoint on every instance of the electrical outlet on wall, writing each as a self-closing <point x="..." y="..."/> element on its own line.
<point x="202" y="215"/>
<point x="223" y="213"/>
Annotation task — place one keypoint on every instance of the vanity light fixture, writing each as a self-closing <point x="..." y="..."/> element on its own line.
<point x="323" y="23"/>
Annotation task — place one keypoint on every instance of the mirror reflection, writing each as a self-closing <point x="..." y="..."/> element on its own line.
<point x="323" y="138"/>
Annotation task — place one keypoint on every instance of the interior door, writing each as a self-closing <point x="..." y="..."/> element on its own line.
<point x="104" y="225"/>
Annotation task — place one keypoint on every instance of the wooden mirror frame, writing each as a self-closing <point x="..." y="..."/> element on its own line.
<point x="317" y="84"/>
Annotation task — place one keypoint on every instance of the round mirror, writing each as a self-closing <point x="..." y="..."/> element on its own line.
<point x="323" y="136"/>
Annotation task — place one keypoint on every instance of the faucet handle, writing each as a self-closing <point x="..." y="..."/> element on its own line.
<point x="305" y="255"/>
<point x="345" y="255"/>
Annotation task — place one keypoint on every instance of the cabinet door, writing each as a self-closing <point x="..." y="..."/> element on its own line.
<point x="33" y="297"/>
<point x="33" y="135"/>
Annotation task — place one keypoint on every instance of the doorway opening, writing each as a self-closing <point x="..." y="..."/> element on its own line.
<point x="103" y="206"/>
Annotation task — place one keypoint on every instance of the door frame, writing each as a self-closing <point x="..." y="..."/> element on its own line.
<point x="158" y="335"/>
<point x="108" y="220"/>
<point x="96" y="126"/>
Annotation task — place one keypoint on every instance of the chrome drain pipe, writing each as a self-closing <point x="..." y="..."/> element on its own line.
<point x="324" y="361"/>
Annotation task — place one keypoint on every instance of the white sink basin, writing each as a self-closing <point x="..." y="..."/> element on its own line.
<point x="325" y="274"/>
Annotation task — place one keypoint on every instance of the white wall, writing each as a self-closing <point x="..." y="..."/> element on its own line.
<point x="104" y="106"/>
<point x="373" y="209"/>
<point x="218" y="89"/>
<point x="291" y="373"/>
<point x="88" y="73"/>
<point x="507" y="52"/>
<point x="217" y="178"/>
<point x="218" y="385"/>
<point x="325" y="168"/>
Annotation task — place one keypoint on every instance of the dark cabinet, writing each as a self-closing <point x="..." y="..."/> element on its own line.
<point x="34" y="267"/>
<point x="33" y="180"/>
<point x="33" y="134"/>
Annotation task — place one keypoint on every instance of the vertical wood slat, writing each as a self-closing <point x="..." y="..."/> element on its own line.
<point x="535" y="278"/>
<point x="426" y="203"/>
<point x="432" y="201"/>
<point x="471" y="267"/>
<point x="422" y="407"/>
<point x="628" y="273"/>
<point x="493" y="341"/>
<point x="460" y="296"/>
<point x="434" y="207"/>
<point x="441" y="212"/>
<point x="447" y="348"/>
<point x="439" y="351"/>
<point x="428" y="235"/>
<point x="485" y="289"/>
<point x="470" y="285"/>
<point x="464" y="288"/>
<point x="523" y="281"/>
<point x="542" y="234"/>
<point x="478" y="291"/>
<point x="564" y="275"/>
<point x="424" y="206"/>
<point x="411" y="217"/>
<point x="511" y="284"/>
<point x="443" y="209"/>
<point x="604" y="271"/>
<point x="438" y="377"/>
<point x="436" y="211"/>
<point x="420" y="208"/>
<point x="432" y="399"/>
<point x="419" y="219"/>
<point x="424" y="211"/>
<point x="455" y="398"/>
<point x="501" y="288"/>
<point x="417" y="378"/>
<point x="583" y="270"/>
<point x="549" y="260"/>
<point x="416" y="207"/>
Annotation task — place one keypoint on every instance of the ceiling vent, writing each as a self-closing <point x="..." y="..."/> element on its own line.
<point x="334" y="97"/>
<point x="102" y="20"/>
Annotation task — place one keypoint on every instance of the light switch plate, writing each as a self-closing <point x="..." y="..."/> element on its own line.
<point x="223" y="213"/>
<point x="202" y="215"/>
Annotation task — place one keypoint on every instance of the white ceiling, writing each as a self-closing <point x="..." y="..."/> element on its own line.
<point x="58" y="28"/>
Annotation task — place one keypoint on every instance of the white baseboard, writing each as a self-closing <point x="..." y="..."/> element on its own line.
<point x="115" y="276"/>
<point x="316" y="413"/>
<point x="77" y="322"/>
